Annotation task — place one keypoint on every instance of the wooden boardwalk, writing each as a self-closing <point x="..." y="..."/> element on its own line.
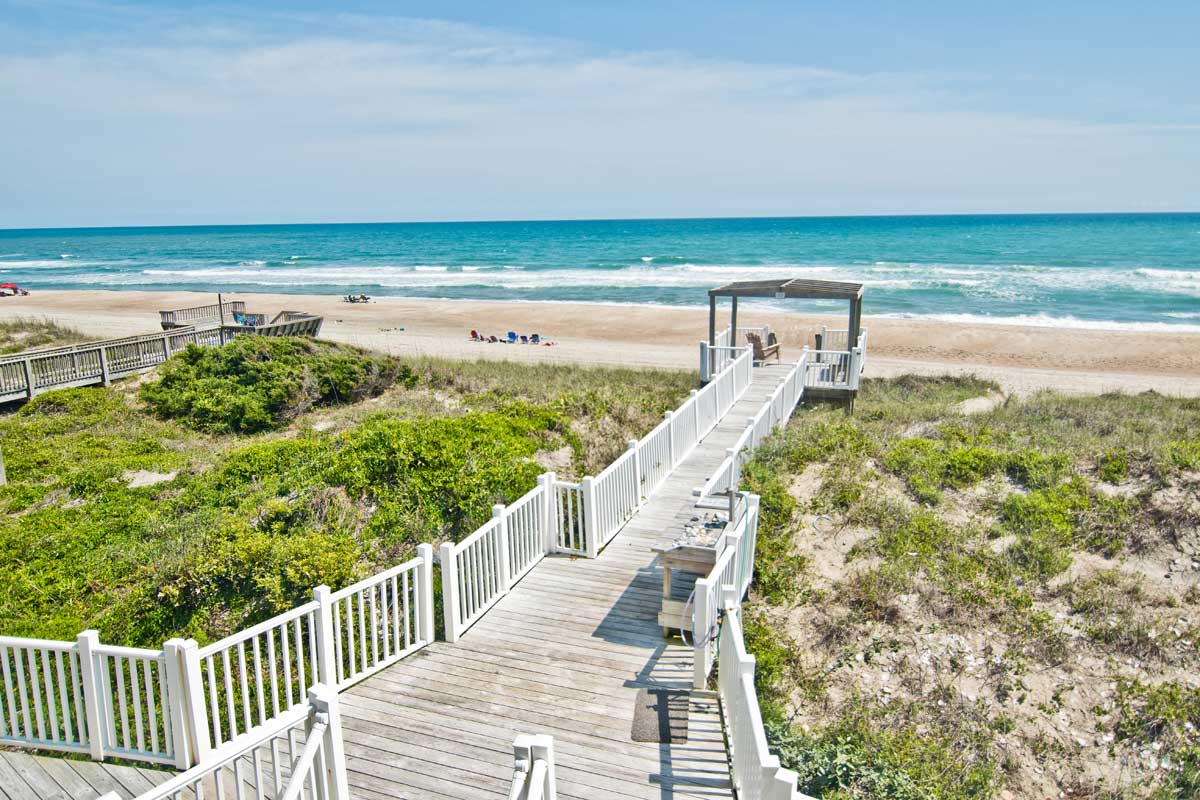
<point x="564" y="653"/>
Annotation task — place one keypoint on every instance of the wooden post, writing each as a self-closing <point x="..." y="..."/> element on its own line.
<point x="695" y="419"/>
<point x="700" y="612"/>
<point x="733" y="340"/>
<point x="637" y="471"/>
<point x="28" y="365"/>
<point x="705" y="363"/>
<point x="220" y="310"/>
<point x="3" y="475"/>
<point x="527" y="751"/>
<point x="97" y="715"/>
<point x="326" y="673"/>
<point x="324" y="700"/>
<point x="549" y="523"/>
<point x="505" y="556"/>
<point x="670" y="418"/>
<point x="449" y="591"/>
<point x="425" y="591"/>
<point x="591" y="543"/>
<point x="733" y="482"/>
<point x="197" y="711"/>
<point x="176" y="703"/>
<point x="104" y="378"/>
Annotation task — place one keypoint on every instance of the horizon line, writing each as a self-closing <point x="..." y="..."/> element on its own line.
<point x="515" y="221"/>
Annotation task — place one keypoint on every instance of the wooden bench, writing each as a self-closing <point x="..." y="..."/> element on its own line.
<point x="762" y="351"/>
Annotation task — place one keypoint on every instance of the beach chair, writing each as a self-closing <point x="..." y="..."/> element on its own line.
<point x="535" y="339"/>
<point x="524" y="339"/>
<point x="492" y="339"/>
<point x="475" y="337"/>
<point x="762" y="351"/>
<point x="512" y="337"/>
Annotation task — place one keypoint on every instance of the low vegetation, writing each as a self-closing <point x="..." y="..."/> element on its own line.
<point x="146" y="524"/>
<point x="258" y="383"/>
<point x="997" y="605"/>
<point x="21" y="334"/>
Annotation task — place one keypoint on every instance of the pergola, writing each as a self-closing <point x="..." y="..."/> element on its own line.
<point x="785" y="289"/>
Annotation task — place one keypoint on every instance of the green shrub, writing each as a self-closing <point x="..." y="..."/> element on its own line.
<point x="1112" y="467"/>
<point x="881" y="752"/>
<point x="257" y="383"/>
<point x="1034" y="469"/>
<point x="1185" y="454"/>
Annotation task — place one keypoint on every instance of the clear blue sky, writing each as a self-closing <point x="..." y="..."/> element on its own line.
<point x="166" y="112"/>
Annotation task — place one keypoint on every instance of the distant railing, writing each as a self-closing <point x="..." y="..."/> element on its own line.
<point x="37" y="371"/>
<point x="189" y="316"/>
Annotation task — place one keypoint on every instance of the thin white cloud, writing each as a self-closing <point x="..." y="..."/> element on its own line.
<point x="361" y="118"/>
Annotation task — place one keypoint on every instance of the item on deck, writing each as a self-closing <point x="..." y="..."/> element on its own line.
<point x="763" y="352"/>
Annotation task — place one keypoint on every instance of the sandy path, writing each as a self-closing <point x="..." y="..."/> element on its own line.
<point x="1020" y="359"/>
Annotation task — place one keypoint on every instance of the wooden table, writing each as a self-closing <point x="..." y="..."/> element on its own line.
<point x="695" y="558"/>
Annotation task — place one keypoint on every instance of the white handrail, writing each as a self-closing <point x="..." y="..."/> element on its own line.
<point x="756" y="772"/>
<point x="260" y="763"/>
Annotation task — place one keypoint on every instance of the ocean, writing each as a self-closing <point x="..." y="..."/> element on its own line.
<point x="1120" y="271"/>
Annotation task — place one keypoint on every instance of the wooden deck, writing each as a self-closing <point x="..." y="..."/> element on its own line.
<point x="24" y="776"/>
<point x="564" y="653"/>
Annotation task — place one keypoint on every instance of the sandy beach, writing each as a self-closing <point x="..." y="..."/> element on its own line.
<point x="1021" y="359"/>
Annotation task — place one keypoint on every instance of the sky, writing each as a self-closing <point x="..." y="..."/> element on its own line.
<point x="128" y="113"/>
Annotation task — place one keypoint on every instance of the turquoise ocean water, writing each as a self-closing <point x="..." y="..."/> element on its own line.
<point x="1110" y="270"/>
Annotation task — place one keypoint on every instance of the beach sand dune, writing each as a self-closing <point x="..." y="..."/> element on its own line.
<point x="1021" y="359"/>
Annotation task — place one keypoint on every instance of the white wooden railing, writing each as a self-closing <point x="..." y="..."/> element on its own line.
<point x="480" y="569"/>
<point x="89" y="698"/>
<point x="298" y="754"/>
<point x="533" y="769"/>
<point x="757" y="774"/>
<point x="180" y="704"/>
<point x="734" y="568"/>
<point x="577" y="518"/>
<point x="570" y="519"/>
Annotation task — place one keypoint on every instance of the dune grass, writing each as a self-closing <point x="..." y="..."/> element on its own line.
<point x="1004" y="602"/>
<point x="23" y="333"/>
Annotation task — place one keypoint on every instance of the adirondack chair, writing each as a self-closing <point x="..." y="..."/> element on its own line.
<point x="762" y="351"/>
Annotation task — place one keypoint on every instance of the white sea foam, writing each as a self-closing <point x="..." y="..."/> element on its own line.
<point x="1046" y="321"/>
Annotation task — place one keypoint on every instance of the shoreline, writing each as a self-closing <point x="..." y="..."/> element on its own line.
<point x="1021" y="358"/>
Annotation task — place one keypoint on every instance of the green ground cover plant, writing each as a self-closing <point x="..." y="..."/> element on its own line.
<point x="257" y="383"/>
<point x="147" y="527"/>
<point x="941" y="598"/>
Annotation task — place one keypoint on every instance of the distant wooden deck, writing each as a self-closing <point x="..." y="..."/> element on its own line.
<point x="564" y="653"/>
